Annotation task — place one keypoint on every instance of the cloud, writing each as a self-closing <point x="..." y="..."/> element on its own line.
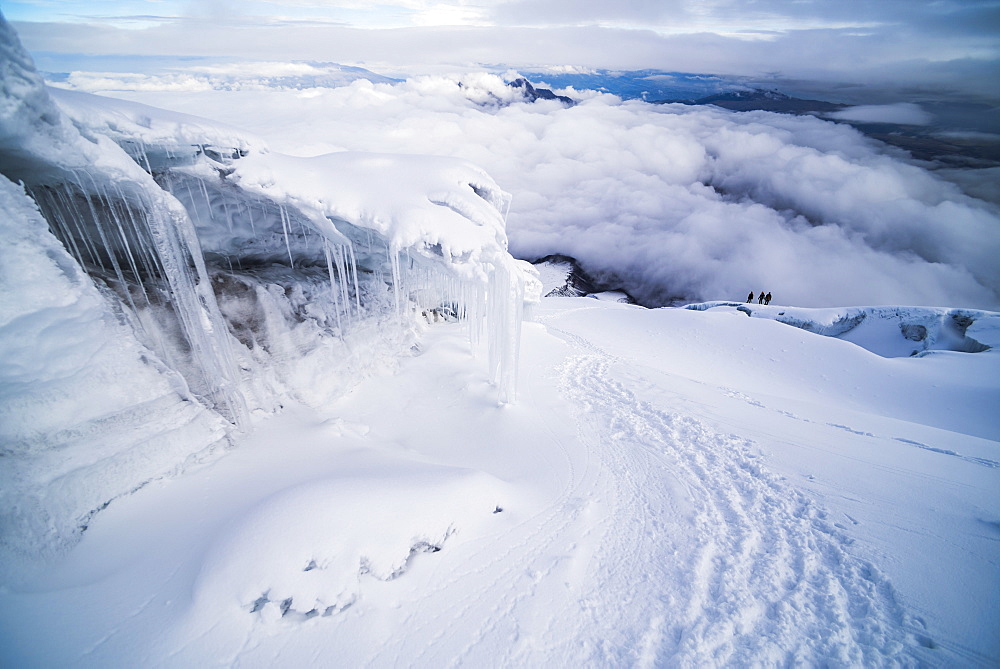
<point x="667" y="201"/>
<point x="892" y="43"/>
<point x="117" y="81"/>
<point x="957" y="19"/>
<point x="903" y="113"/>
<point x="584" y="12"/>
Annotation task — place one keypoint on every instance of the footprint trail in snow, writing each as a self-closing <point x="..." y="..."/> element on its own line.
<point x="723" y="563"/>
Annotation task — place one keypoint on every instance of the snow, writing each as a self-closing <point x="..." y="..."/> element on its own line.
<point x="554" y="275"/>
<point x="242" y="421"/>
<point x="674" y="487"/>
<point x="224" y="279"/>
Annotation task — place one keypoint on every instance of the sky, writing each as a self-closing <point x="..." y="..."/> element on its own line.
<point x="943" y="43"/>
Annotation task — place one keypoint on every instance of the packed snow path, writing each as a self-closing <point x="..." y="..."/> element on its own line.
<point x="755" y="571"/>
<point x="626" y="512"/>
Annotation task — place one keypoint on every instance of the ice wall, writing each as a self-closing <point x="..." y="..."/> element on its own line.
<point x="179" y="278"/>
<point x="87" y="413"/>
<point x="427" y="230"/>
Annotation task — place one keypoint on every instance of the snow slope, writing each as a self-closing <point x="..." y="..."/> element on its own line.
<point x="676" y="487"/>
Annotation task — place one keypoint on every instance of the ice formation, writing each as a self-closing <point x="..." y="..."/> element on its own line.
<point x="888" y="331"/>
<point x="214" y="276"/>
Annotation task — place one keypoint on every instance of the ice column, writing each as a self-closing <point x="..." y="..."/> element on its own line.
<point x="504" y="300"/>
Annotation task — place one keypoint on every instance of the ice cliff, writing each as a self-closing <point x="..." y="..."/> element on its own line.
<point x="165" y="279"/>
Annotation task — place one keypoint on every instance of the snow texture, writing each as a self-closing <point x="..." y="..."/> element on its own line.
<point x="239" y="424"/>
<point x="685" y="487"/>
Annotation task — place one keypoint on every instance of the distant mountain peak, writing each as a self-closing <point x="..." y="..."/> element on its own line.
<point x="532" y="94"/>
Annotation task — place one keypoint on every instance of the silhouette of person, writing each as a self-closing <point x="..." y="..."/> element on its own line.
<point x="767" y="298"/>
<point x="750" y="297"/>
<point x="760" y="300"/>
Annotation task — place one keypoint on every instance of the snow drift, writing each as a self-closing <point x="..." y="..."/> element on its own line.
<point x="188" y="278"/>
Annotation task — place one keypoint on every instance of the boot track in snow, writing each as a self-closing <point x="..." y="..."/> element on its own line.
<point x="724" y="564"/>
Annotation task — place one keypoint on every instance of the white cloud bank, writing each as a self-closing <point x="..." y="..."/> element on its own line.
<point x="668" y="201"/>
<point x="888" y="57"/>
<point x="905" y="113"/>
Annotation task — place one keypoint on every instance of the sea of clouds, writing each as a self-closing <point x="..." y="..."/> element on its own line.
<point x="669" y="202"/>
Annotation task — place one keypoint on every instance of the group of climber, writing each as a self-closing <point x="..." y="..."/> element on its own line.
<point x="763" y="299"/>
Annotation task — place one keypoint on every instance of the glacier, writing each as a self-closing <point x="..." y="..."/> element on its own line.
<point x="167" y="280"/>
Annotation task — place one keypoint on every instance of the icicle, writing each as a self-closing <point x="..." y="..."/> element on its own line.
<point x="198" y="310"/>
<point x="394" y="269"/>
<point x="340" y="256"/>
<point x="354" y="271"/>
<point x="163" y="241"/>
<point x="333" y="288"/>
<point x="208" y="199"/>
<point x="225" y="208"/>
<point x="144" y="156"/>
<point x="125" y="241"/>
<point x="56" y="219"/>
<point x="105" y="241"/>
<point x="249" y="208"/>
<point x="284" y="228"/>
<point x="144" y="244"/>
<point x="504" y="303"/>
<point x="78" y="218"/>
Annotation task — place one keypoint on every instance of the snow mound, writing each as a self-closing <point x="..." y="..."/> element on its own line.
<point x="891" y="332"/>
<point x="306" y="551"/>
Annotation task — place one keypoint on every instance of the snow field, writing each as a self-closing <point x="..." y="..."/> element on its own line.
<point x="900" y="483"/>
<point x="657" y="510"/>
<point x="764" y="575"/>
<point x="675" y="486"/>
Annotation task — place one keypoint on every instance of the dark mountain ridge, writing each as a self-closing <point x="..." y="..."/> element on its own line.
<point x="763" y="100"/>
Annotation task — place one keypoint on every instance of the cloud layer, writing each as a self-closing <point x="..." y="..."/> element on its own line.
<point x="669" y="201"/>
<point x="894" y="43"/>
